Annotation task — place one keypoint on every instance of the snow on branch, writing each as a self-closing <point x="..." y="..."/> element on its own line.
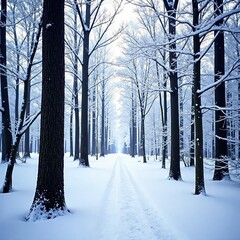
<point x="217" y="108"/>
<point x="225" y="77"/>
<point x="233" y="165"/>
<point x="98" y="44"/>
<point x="28" y="122"/>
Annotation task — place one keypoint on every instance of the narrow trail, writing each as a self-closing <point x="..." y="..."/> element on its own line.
<point x="126" y="214"/>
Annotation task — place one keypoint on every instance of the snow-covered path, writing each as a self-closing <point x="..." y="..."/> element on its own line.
<point x="122" y="198"/>
<point x="127" y="214"/>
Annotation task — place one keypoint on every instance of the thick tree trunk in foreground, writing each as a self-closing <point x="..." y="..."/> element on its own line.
<point x="49" y="199"/>
<point x="6" y="120"/>
<point x="198" y="141"/>
<point x="221" y="165"/>
<point x="85" y="72"/>
<point x="174" y="172"/>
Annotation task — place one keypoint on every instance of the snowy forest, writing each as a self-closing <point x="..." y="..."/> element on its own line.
<point x="122" y="117"/>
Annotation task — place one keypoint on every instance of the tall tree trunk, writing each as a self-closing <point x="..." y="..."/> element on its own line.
<point x="102" y="151"/>
<point x="132" y="127"/>
<point x="135" y="129"/>
<point x="191" y="150"/>
<point x="49" y="201"/>
<point x="165" y="128"/>
<point x="213" y="138"/>
<point x="143" y="140"/>
<point x="27" y="133"/>
<point x="6" y="120"/>
<point x="140" y="150"/>
<point x="199" y="170"/>
<point x="238" y="156"/>
<point x="174" y="172"/>
<point x="0" y="142"/>
<point x="221" y="164"/>
<point x="89" y="130"/>
<point x="97" y="115"/>
<point x="181" y="132"/>
<point x="84" y="116"/>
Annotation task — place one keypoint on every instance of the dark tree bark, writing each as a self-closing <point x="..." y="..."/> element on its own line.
<point x="143" y="144"/>
<point x="221" y="165"/>
<point x="165" y="125"/>
<point x="134" y="125"/>
<point x="49" y="199"/>
<point x="6" y="120"/>
<point x="89" y="129"/>
<point x="198" y="144"/>
<point x="0" y="142"/>
<point x="27" y="133"/>
<point x="238" y="156"/>
<point x="139" y="139"/>
<point x="85" y="73"/>
<point x="191" y="152"/>
<point x="174" y="172"/>
<point x="97" y="114"/>
<point x="181" y="132"/>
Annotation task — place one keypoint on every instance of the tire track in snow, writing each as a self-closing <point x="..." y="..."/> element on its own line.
<point x="126" y="214"/>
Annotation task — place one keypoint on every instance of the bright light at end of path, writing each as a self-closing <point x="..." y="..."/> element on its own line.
<point x="117" y="101"/>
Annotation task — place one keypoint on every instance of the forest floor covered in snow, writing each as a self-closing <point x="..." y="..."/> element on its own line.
<point x="120" y="198"/>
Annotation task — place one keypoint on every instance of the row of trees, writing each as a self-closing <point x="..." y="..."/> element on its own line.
<point x="22" y="67"/>
<point x="21" y="75"/>
<point x="184" y="36"/>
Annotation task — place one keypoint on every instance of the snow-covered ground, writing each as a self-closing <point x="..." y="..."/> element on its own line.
<point x="119" y="198"/>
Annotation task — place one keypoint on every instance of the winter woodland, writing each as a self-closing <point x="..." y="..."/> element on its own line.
<point x="111" y="111"/>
